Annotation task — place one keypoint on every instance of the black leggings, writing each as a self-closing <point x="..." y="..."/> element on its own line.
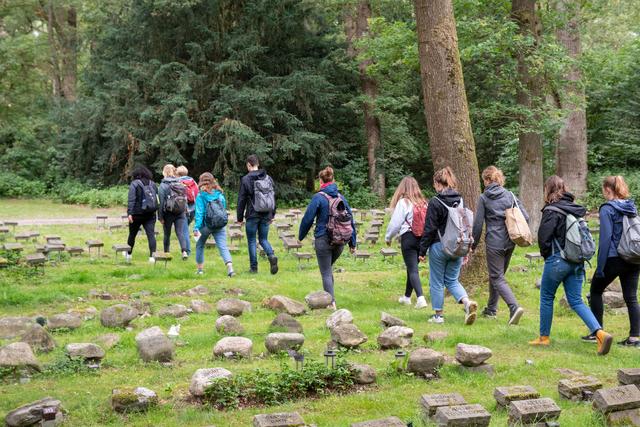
<point x="410" y="246"/>
<point x="149" y="223"/>
<point x="628" y="273"/>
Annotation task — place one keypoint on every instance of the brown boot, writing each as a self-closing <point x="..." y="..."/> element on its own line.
<point x="604" y="342"/>
<point x="541" y="340"/>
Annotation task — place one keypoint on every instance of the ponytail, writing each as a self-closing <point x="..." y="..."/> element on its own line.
<point x="493" y="175"/>
<point x="326" y="174"/>
<point x="617" y="185"/>
<point x="446" y="178"/>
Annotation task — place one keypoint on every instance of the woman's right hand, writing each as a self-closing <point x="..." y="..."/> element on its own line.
<point x="422" y="258"/>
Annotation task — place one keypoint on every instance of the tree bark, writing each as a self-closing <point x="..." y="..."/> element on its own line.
<point x="56" y="81"/>
<point x="69" y="44"/>
<point x="528" y="96"/>
<point x="571" y="150"/>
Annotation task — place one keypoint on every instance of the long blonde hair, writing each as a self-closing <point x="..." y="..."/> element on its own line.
<point x="408" y="189"/>
<point x="617" y="185"/>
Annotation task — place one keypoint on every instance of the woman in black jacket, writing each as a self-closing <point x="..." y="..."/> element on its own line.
<point x="141" y="209"/>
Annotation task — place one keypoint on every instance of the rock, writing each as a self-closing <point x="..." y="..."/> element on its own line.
<point x="203" y="378"/>
<point x="614" y="286"/>
<point x="622" y="311"/>
<point x="628" y="376"/>
<point x="282" y="304"/>
<point x="229" y="325"/>
<point x="233" y="347"/>
<point x="395" y="337"/>
<point x="431" y="402"/>
<point x="85" y="350"/>
<point x="173" y="310"/>
<point x="318" y="300"/>
<point x="39" y="339"/>
<point x="436" y="336"/>
<point x="364" y="374"/>
<point x="31" y="414"/>
<point x="153" y="345"/>
<point x="108" y="340"/>
<point x="94" y="293"/>
<point x="118" y="316"/>
<point x="11" y="327"/>
<point x="505" y="395"/>
<point x="143" y="307"/>
<point x="382" y="422"/>
<point x="287" y="323"/>
<point x="292" y="419"/>
<point x="231" y="307"/>
<point x="339" y="317"/>
<point x="472" y="355"/>
<point x="578" y="388"/>
<point x="348" y="335"/>
<point x="388" y="320"/>
<point x="568" y="373"/>
<point x="629" y="417"/>
<point x="199" y="290"/>
<point x="483" y="368"/>
<point x="613" y="299"/>
<point x="64" y="321"/>
<point x="564" y="302"/>
<point x="538" y="283"/>
<point x="199" y="306"/>
<point x="133" y="400"/>
<point x="283" y="341"/>
<point x="424" y="361"/>
<point x="462" y="415"/>
<point x="18" y="355"/>
<point x="87" y="313"/>
<point x="615" y="399"/>
<point x="533" y="411"/>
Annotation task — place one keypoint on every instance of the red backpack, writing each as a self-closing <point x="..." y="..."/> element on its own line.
<point x="192" y="190"/>
<point x="339" y="228"/>
<point x="419" y="218"/>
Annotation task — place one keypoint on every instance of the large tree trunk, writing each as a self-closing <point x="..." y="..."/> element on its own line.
<point x="445" y="106"/>
<point x="528" y="96"/>
<point x="356" y="28"/>
<point x="571" y="150"/>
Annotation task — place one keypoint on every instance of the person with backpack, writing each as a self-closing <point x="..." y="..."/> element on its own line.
<point x="565" y="244"/>
<point x="257" y="205"/>
<point x="407" y="221"/>
<point x="142" y="205"/>
<point x="173" y="208"/>
<point x="492" y="208"/>
<point x="448" y="237"/>
<point x="335" y="227"/>
<point x="211" y="219"/>
<point x="192" y="192"/>
<point x="618" y="255"/>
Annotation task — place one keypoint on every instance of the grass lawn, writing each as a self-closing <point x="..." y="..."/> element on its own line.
<point x="365" y="288"/>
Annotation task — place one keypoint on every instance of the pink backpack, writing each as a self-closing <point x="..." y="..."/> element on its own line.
<point x="339" y="228"/>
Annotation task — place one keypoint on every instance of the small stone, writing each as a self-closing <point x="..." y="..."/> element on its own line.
<point x="18" y="355"/>
<point x="94" y="293"/>
<point x="424" y="361"/>
<point x="436" y="336"/>
<point x="506" y="395"/>
<point x="383" y="422"/>
<point x="339" y="317"/>
<point x="12" y="327"/>
<point x="431" y="402"/>
<point x="348" y="335"/>
<point x="283" y="341"/>
<point x="613" y="299"/>
<point x="87" y="313"/>
<point x="153" y="345"/>
<point x="364" y="374"/>
<point x="229" y="325"/>
<point x="483" y="368"/>
<point x="39" y="339"/>
<point x="233" y="347"/>
<point x="318" y="300"/>
<point x="85" y="351"/>
<point x="395" y="337"/>
<point x="616" y="399"/>
<point x="628" y="376"/>
<point x="578" y="388"/>
<point x="199" y="290"/>
<point x="388" y="320"/>
<point x="118" y="316"/>
<point x="203" y="378"/>
<point x="472" y="355"/>
<point x="199" y="306"/>
<point x="538" y="283"/>
<point x="287" y="323"/>
<point x="568" y="373"/>
<point x="283" y="304"/>
<point x="462" y="415"/>
<point x="64" y="321"/>
<point x="282" y="419"/>
<point x="533" y="411"/>
<point x="31" y="414"/>
<point x="133" y="400"/>
<point x="108" y="340"/>
<point x="173" y="310"/>
<point x="231" y="307"/>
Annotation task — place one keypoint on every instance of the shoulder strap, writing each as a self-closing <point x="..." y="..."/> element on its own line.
<point x="555" y="209"/>
<point x="515" y="202"/>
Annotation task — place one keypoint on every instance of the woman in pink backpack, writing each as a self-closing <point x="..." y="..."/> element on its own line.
<point x="407" y="223"/>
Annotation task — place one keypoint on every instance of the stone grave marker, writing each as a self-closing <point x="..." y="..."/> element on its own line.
<point x="281" y="419"/>
<point x="617" y="399"/>
<point x="533" y="411"/>
<point x="431" y="402"/>
<point x="628" y="376"/>
<point x="505" y="395"/>
<point x="578" y="388"/>
<point x="462" y="415"/>
<point x="383" y="422"/>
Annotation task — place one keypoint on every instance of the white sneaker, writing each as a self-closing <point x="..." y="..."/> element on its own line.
<point x="436" y="318"/>
<point x="404" y="300"/>
<point x="185" y="255"/>
<point x="152" y="260"/>
<point x="124" y="254"/>
<point x="421" y="302"/>
<point x="127" y="256"/>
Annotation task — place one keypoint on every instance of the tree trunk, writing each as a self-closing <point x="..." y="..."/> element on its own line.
<point x="528" y="96"/>
<point x="571" y="150"/>
<point x="69" y="44"/>
<point x="56" y="81"/>
<point x="445" y="106"/>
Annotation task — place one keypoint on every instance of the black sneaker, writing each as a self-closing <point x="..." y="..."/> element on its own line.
<point x="589" y="338"/>
<point x="489" y="314"/>
<point x="273" y="262"/>
<point x="629" y="343"/>
<point x="253" y="271"/>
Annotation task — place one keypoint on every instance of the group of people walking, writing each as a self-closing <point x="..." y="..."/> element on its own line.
<point x="442" y="228"/>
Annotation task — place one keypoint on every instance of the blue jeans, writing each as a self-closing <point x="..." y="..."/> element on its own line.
<point x="571" y="275"/>
<point x="220" y="236"/>
<point x="187" y="235"/>
<point x="259" y="227"/>
<point x="444" y="271"/>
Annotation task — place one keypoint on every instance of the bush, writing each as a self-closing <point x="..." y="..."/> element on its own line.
<point x="74" y="192"/>
<point x="16" y="186"/>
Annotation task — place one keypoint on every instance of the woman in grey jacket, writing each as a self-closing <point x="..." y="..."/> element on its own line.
<point x="491" y="208"/>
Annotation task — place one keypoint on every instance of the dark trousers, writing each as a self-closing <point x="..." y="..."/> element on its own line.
<point x="147" y="221"/>
<point x="178" y="221"/>
<point x="628" y="273"/>
<point x="498" y="263"/>
<point x="327" y="254"/>
<point x="410" y="246"/>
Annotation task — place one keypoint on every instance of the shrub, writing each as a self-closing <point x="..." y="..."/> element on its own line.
<point x="594" y="199"/>
<point x="16" y="186"/>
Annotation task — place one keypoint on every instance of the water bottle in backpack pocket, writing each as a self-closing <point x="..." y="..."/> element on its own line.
<point x="579" y="245"/>
<point x="629" y="245"/>
<point x="458" y="233"/>
<point x="215" y="215"/>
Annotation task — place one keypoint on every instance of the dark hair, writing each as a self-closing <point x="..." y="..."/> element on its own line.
<point x="142" y="173"/>
<point x="446" y="178"/>
<point x="253" y="160"/>
<point x="554" y="189"/>
<point x="326" y="174"/>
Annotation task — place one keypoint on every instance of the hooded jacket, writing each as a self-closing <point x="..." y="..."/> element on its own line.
<point x="202" y="200"/>
<point x="245" y="197"/>
<point x="491" y="208"/>
<point x="437" y="216"/>
<point x="134" y="200"/>
<point x="553" y="224"/>
<point x="611" y="214"/>
<point x="163" y="192"/>
<point x="318" y="210"/>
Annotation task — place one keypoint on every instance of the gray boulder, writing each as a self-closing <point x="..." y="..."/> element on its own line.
<point x="203" y="378"/>
<point x="424" y="361"/>
<point x="348" y="335"/>
<point x="39" y="339"/>
<point x="233" y="347"/>
<point x="88" y="351"/>
<point x="199" y="290"/>
<point x="118" y="316"/>
<point x="31" y="414"/>
<point x="199" y="306"/>
<point x="395" y="337"/>
<point x="64" y="321"/>
<point x="108" y="340"/>
<point x="613" y="299"/>
<point x="318" y="300"/>
<point x="339" y="317"/>
<point x="153" y="345"/>
<point x="472" y="355"/>
<point x="232" y="307"/>
<point x="287" y="323"/>
<point x="12" y="327"/>
<point x="283" y="341"/>
<point x="129" y="400"/>
<point x="18" y="355"/>
<point x="364" y="374"/>
<point x="388" y="320"/>
<point x="173" y="310"/>
<point x="87" y="313"/>
<point x="229" y="325"/>
<point x="282" y="304"/>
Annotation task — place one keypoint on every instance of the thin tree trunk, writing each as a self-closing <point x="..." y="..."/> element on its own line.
<point x="55" y="69"/>
<point x="571" y="150"/>
<point x="528" y="96"/>
<point x="69" y="43"/>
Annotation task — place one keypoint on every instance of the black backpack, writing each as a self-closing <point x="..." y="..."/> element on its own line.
<point x="149" y="202"/>
<point x="176" y="199"/>
<point x="216" y="216"/>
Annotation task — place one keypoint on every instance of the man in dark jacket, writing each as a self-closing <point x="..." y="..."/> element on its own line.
<point x="257" y="223"/>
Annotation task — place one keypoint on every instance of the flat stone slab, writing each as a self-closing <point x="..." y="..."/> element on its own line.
<point x="362" y="255"/>
<point x="121" y="248"/>
<point x="303" y="255"/>
<point x="35" y="259"/>
<point x="630" y="417"/>
<point x="533" y="411"/>
<point x="383" y="422"/>
<point x="31" y="414"/>
<point x="280" y="419"/>
<point x="385" y="252"/>
<point x="431" y="402"/>
<point x="628" y="376"/>
<point x="578" y="388"/>
<point x="617" y="398"/>
<point x="16" y="247"/>
<point x="505" y="395"/>
<point x="388" y="320"/>
<point x="462" y="415"/>
<point x="94" y="243"/>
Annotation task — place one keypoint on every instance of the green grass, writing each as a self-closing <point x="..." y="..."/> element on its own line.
<point x="365" y="288"/>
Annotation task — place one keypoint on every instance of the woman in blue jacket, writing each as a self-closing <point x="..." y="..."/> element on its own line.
<point x="210" y="191"/>
<point x="318" y="210"/>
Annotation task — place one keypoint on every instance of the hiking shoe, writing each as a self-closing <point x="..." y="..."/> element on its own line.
<point x="515" y="317"/>
<point x="541" y="340"/>
<point x="404" y="300"/>
<point x="152" y="260"/>
<point x="273" y="262"/>
<point x="253" y="270"/>
<point x="628" y="343"/>
<point x="604" y="342"/>
<point x="127" y="256"/>
<point x="486" y="313"/>
<point x="421" y="302"/>
<point x="470" y="310"/>
<point x="591" y="338"/>
<point x="199" y="273"/>
<point x="332" y="306"/>
<point x="185" y="255"/>
<point x="436" y="318"/>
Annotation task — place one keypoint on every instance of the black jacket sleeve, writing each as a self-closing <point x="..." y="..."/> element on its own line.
<point x="430" y="227"/>
<point x="547" y="231"/>
<point x="243" y="198"/>
<point x="131" y="199"/>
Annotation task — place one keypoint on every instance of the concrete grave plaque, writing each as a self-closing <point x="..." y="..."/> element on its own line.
<point x="281" y="419"/>
<point x="431" y="402"/>
<point x="628" y="376"/>
<point x="462" y="415"/>
<point x="506" y="395"/>
<point x="578" y="388"/>
<point x="617" y="398"/>
<point x="533" y="411"/>
<point x="384" y="422"/>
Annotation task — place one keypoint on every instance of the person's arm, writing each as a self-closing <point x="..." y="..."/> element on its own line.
<point x="199" y="218"/>
<point x="398" y="218"/>
<point x="478" y="222"/>
<point x="131" y="199"/>
<point x="430" y="227"/>
<point x="242" y="201"/>
<point x="224" y="201"/>
<point x="604" y="242"/>
<point x="309" y="216"/>
<point x="161" y="197"/>
<point x="546" y="232"/>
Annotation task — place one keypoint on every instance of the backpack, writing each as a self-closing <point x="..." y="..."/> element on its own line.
<point x="339" y="227"/>
<point x="264" y="195"/>
<point x="192" y="190"/>
<point x="629" y="245"/>
<point x="579" y="245"/>
<point x="418" y="219"/>
<point x="517" y="226"/>
<point x="149" y="202"/>
<point x="215" y="216"/>
<point x="458" y="233"/>
<point x="176" y="199"/>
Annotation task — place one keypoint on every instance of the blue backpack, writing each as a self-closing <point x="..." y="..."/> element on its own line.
<point x="215" y="215"/>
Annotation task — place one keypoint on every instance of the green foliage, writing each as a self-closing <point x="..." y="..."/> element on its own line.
<point x="74" y="192"/>
<point x="594" y="190"/>
<point x="17" y="186"/>
<point x="65" y="365"/>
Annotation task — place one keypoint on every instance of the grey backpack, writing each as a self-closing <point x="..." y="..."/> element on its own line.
<point x="458" y="233"/>
<point x="629" y="246"/>
<point x="579" y="245"/>
<point x="264" y="195"/>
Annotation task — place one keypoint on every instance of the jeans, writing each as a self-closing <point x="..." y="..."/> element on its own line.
<point x="444" y="271"/>
<point x="327" y="255"/>
<point x="187" y="236"/>
<point x="410" y="246"/>
<point x="571" y="275"/>
<point x="220" y="236"/>
<point x="148" y="221"/>
<point x="259" y="226"/>
<point x="179" y="222"/>
<point x="628" y="273"/>
<point x="498" y="263"/>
